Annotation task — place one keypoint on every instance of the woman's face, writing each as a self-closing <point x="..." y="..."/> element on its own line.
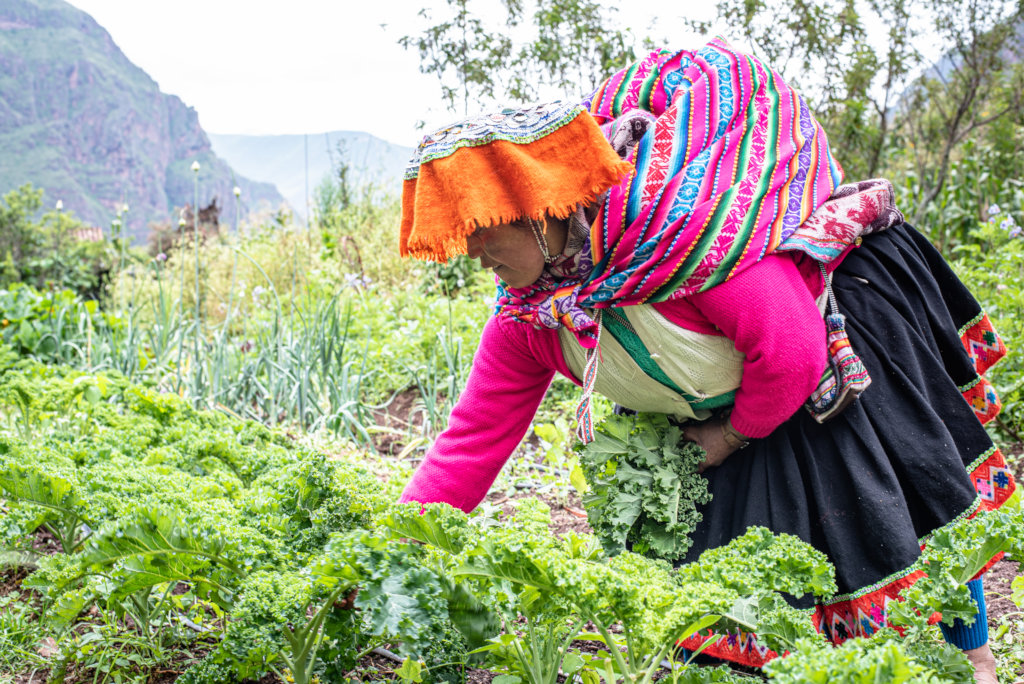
<point x="508" y="249"/>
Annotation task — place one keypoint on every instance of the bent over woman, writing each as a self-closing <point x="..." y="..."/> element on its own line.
<point x="668" y="244"/>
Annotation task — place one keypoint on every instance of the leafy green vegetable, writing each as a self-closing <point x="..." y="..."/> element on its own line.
<point x="439" y="525"/>
<point x="644" y="485"/>
<point x="195" y="526"/>
<point x="709" y="675"/>
<point x="254" y="639"/>
<point x="956" y="553"/>
<point x="760" y="560"/>
<point x="399" y="597"/>
<point x="53" y="489"/>
<point x="539" y="656"/>
<point x="856" y="661"/>
<point x="410" y="671"/>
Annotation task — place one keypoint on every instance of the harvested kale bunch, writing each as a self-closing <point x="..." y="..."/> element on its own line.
<point x="644" y="485"/>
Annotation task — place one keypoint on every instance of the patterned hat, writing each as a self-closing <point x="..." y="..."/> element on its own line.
<point x="499" y="168"/>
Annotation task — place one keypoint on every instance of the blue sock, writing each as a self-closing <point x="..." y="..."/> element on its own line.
<point x="960" y="635"/>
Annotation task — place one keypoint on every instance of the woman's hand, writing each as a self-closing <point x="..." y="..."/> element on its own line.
<point x="710" y="436"/>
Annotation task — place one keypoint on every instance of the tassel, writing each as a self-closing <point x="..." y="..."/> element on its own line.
<point x="845" y="377"/>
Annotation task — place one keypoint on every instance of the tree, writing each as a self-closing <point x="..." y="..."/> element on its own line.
<point x="43" y="251"/>
<point x="821" y="47"/>
<point x="566" y="44"/>
<point x="976" y="84"/>
<point x="868" y="136"/>
<point x="570" y="48"/>
<point x="19" y="235"/>
<point x="868" y="98"/>
<point x="465" y="57"/>
<point x="573" y="49"/>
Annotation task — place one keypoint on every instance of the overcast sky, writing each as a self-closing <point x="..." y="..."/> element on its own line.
<point x="303" y="66"/>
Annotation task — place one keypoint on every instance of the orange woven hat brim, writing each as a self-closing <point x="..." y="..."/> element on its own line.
<point x="501" y="182"/>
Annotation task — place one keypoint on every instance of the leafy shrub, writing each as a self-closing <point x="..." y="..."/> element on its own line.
<point x="450" y="278"/>
<point x="992" y="266"/>
<point x="49" y="326"/>
<point x="45" y="251"/>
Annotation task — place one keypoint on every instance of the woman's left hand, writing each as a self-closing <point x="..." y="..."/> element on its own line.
<point x="709" y="436"/>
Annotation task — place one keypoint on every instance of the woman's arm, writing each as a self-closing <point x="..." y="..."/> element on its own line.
<point x="504" y="389"/>
<point x="770" y="315"/>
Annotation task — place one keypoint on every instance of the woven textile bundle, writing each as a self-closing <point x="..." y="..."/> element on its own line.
<point x="733" y="163"/>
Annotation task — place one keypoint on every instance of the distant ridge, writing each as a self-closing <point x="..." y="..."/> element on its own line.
<point x="81" y="121"/>
<point x="280" y="159"/>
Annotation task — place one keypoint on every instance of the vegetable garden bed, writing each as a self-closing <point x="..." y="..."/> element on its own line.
<point x="146" y="540"/>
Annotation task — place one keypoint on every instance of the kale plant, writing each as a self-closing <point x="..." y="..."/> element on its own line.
<point x="644" y="486"/>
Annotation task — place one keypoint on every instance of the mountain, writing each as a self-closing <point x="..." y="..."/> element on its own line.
<point x="281" y="160"/>
<point x="79" y="120"/>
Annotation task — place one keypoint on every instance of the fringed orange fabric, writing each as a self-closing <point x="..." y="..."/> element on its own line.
<point x="503" y="181"/>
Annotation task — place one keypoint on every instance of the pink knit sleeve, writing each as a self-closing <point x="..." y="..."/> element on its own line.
<point x="770" y="315"/>
<point x="511" y="372"/>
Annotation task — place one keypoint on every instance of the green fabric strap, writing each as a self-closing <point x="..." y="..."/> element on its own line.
<point x="623" y="332"/>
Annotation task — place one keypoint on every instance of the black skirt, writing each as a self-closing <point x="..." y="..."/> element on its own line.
<point x="909" y="456"/>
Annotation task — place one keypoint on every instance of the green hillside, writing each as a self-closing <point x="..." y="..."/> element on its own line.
<point x="79" y="120"/>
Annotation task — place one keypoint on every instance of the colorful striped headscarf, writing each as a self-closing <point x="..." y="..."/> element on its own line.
<point x="730" y="162"/>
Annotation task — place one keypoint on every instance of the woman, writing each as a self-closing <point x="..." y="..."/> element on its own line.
<point x="666" y="248"/>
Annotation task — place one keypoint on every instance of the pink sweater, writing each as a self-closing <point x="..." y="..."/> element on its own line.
<point x="768" y="311"/>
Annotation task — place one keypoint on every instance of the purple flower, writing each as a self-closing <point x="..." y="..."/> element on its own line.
<point x="356" y="280"/>
<point x="161" y="257"/>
